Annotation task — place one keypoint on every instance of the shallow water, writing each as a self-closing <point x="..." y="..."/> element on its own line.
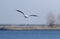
<point x="31" y="34"/>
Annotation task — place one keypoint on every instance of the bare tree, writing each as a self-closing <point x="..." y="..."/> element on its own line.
<point x="58" y="19"/>
<point x="50" y="19"/>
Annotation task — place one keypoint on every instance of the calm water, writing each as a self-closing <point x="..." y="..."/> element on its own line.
<point x="40" y="34"/>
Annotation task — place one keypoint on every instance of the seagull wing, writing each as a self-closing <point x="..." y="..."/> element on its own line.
<point x="20" y="12"/>
<point x="33" y="15"/>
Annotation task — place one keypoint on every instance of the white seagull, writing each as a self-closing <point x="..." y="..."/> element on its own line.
<point x="26" y="16"/>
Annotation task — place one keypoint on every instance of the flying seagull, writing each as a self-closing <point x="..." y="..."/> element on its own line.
<point x="26" y="16"/>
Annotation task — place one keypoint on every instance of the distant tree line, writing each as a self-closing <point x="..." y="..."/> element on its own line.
<point x="22" y="24"/>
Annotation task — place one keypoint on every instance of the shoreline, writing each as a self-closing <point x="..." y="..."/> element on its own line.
<point x="29" y="28"/>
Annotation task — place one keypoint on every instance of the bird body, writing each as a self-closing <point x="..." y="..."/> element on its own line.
<point x="26" y="16"/>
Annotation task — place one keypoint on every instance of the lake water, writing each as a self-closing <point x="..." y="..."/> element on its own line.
<point x="31" y="34"/>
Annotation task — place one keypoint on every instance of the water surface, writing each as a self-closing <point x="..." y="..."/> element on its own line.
<point x="36" y="34"/>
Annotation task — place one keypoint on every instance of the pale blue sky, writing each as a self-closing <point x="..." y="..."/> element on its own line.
<point x="8" y="14"/>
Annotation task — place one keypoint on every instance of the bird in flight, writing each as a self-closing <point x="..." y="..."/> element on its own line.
<point x="26" y="16"/>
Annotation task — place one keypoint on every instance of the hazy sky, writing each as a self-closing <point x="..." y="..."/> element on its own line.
<point x="8" y="14"/>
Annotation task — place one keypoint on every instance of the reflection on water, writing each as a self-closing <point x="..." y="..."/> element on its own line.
<point x="39" y="34"/>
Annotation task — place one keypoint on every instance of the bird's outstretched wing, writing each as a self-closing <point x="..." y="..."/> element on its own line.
<point x="20" y="12"/>
<point x="33" y="15"/>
